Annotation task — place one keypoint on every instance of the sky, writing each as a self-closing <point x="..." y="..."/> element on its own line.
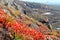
<point x="45" y="1"/>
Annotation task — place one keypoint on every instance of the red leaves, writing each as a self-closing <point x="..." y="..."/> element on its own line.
<point x="19" y="27"/>
<point x="2" y="16"/>
<point x="1" y="11"/>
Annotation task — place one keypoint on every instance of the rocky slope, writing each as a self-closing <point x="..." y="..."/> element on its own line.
<point x="41" y="12"/>
<point x="24" y="23"/>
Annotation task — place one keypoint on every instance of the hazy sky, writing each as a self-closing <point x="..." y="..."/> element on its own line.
<point x="45" y="1"/>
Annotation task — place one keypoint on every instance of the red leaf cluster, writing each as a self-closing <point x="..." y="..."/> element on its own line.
<point x="20" y="28"/>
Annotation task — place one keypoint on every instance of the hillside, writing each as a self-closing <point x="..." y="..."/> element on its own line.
<point x="21" y="20"/>
<point x="37" y="11"/>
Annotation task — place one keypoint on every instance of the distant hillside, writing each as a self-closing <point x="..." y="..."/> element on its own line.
<point x="37" y="10"/>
